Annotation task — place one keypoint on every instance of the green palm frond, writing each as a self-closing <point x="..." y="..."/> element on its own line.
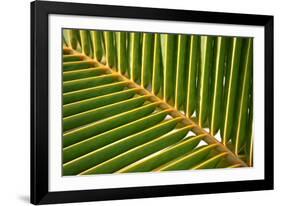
<point x="139" y="102"/>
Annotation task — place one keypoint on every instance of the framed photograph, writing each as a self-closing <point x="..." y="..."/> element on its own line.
<point x="131" y="102"/>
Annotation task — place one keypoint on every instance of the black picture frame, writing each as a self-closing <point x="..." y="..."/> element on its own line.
<point x="39" y="102"/>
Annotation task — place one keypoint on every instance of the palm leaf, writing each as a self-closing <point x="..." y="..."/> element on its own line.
<point x="137" y="102"/>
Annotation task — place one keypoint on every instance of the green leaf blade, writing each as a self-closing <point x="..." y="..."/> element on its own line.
<point x="85" y="42"/>
<point x="121" y="52"/>
<point x="89" y="82"/>
<point x="97" y="45"/>
<point x="192" y="75"/>
<point x="204" y="85"/>
<point x="147" y="57"/>
<point x="163" y="157"/>
<point x="100" y="140"/>
<point x="244" y="95"/>
<point x="83" y="94"/>
<point x="180" y="93"/>
<point x="83" y="164"/>
<point x="170" y="44"/>
<point x="95" y="102"/>
<point x="90" y="130"/>
<point x="231" y="88"/>
<point x="89" y="116"/>
<point x="217" y="88"/>
<point x="135" y="56"/>
<point x="157" y="77"/>
<point x="109" y="49"/>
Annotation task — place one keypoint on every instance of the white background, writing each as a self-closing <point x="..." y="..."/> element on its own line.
<point x="59" y="183"/>
<point x="14" y="104"/>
